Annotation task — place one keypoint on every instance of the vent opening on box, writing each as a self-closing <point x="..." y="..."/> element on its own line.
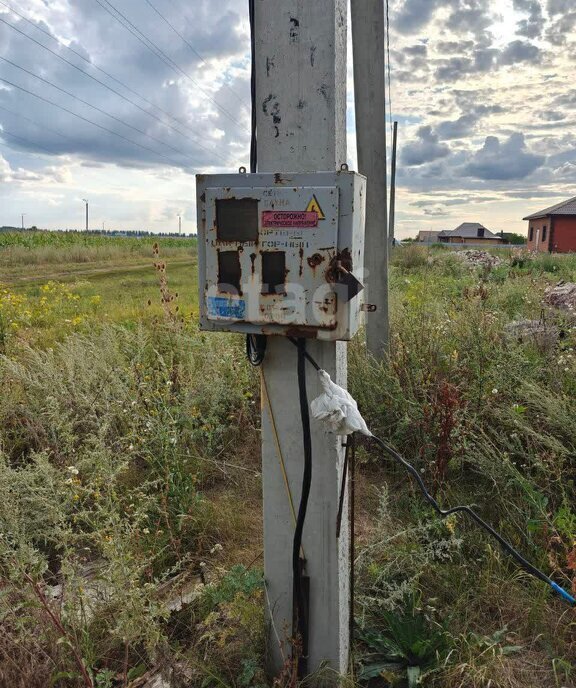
<point x="273" y="272"/>
<point x="229" y="272"/>
<point x="237" y="219"/>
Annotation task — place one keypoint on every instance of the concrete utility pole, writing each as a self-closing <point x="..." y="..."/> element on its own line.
<point x="85" y="201"/>
<point x="179" y="225"/>
<point x="393" y="186"/>
<point x="370" y="102"/>
<point x="22" y="218"/>
<point x="301" y="120"/>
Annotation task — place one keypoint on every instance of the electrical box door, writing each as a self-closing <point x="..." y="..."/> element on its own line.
<point x="281" y="254"/>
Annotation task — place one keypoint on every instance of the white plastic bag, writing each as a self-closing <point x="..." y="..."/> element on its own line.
<point x="337" y="409"/>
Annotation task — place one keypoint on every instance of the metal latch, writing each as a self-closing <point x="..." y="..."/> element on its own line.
<point x="346" y="278"/>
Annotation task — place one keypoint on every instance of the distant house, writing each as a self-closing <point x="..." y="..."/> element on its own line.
<point x="470" y="233"/>
<point x="553" y="229"/>
<point x="427" y="236"/>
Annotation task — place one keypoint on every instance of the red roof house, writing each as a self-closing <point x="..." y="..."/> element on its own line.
<point x="553" y="229"/>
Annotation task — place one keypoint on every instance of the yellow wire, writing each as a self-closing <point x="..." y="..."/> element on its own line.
<point x="280" y="455"/>
<point x="266" y="398"/>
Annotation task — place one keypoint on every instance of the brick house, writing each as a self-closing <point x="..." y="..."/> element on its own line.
<point x="428" y="236"/>
<point x="553" y="229"/>
<point x="470" y="233"/>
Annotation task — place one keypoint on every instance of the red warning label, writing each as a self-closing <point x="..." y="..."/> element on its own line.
<point x="299" y="219"/>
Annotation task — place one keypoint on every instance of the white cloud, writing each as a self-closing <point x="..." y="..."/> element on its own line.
<point x="508" y="160"/>
<point x="5" y="170"/>
<point x="426" y="148"/>
<point x="464" y="78"/>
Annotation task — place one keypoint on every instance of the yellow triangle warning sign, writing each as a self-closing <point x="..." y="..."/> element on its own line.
<point x="314" y="206"/>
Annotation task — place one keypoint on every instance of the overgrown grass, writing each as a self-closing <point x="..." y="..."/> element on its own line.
<point x="129" y="474"/>
<point x="108" y="443"/>
<point x="487" y="421"/>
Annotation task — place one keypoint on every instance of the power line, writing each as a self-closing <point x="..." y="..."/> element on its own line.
<point x="94" y="107"/>
<point x="40" y="125"/>
<point x="4" y="132"/>
<point x="127" y="24"/>
<point x="71" y="64"/>
<point x="110" y="76"/>
<point x="192" y="48"/>
<point x="85" y="119"/>
<point x="160" y="54"/>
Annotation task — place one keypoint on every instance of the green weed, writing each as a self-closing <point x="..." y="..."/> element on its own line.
<point x="129" y="474"/>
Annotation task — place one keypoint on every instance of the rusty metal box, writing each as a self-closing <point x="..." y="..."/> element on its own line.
<point x="282" y="253"/>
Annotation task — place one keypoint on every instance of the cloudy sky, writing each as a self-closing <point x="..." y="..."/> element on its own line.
<point x="127" y="103"/>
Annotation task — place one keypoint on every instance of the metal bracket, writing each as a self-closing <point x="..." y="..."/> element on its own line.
<point x="369" y="307"/>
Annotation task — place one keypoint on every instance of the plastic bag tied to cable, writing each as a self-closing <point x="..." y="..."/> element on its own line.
<point x="337" y="409"/>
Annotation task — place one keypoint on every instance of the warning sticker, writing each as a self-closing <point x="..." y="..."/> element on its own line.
<point x="299" y="219"/>
<point x="314" y="206"/>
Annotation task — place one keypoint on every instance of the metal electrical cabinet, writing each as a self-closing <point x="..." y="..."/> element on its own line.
<point x="282" y="253"/>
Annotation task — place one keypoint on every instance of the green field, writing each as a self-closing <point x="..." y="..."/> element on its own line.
<point x="130" y="474"/>
<point x="58" y="281"/>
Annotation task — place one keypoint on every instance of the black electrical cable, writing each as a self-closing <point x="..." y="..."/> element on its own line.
<point x="255" y="343"/>
<point x="302" y="620"/>
<point x="343" y="484"/>
<point x="253" y="146"/>
<point x="506" y="546"/>
<point x="256" y="348"/>
<point x="461" y="509"/>
<point x="306" y="355"/>
<point x="352" y="550"/>
<point x="388" y="66"/>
